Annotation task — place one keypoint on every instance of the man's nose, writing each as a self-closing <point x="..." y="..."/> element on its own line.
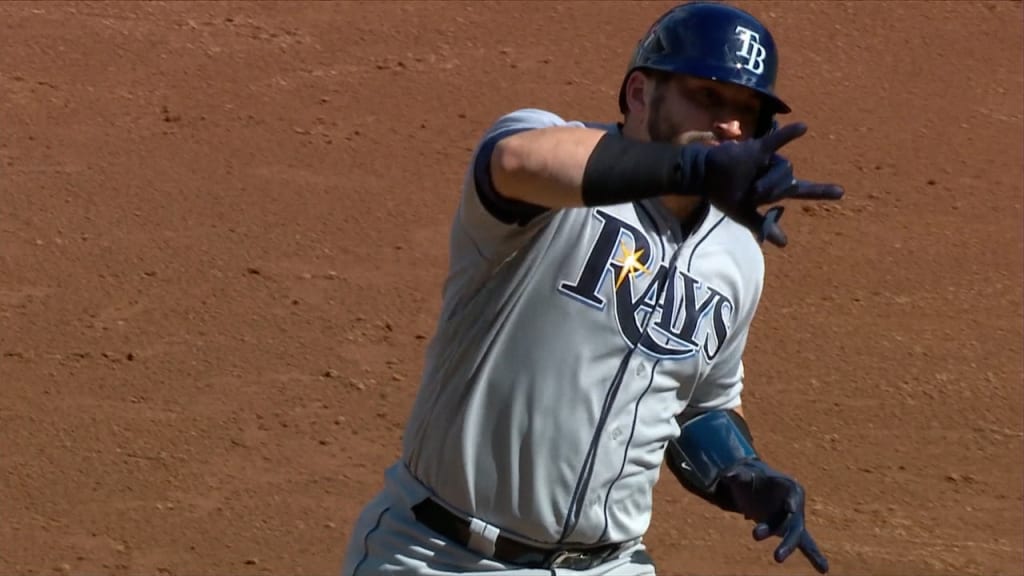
<point x="728" y="129"/>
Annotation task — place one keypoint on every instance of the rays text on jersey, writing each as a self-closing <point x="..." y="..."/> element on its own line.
<point x="689" y="315"/>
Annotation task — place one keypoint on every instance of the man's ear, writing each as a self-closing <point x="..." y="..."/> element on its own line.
<point x="638" y="86"/>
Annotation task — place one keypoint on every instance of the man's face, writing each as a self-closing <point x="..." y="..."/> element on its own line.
<point x="682" y="104"/>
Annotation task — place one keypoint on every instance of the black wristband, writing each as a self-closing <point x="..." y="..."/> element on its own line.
<point x="706" y="445"/>
<point x="620" y="170"/>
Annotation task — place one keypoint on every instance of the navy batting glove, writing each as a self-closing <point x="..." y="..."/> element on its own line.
<point x="739" y="177"/>
<point x="775" y="502"/>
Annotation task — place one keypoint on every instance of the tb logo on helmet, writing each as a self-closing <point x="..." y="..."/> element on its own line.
<point x="751" y="49"/>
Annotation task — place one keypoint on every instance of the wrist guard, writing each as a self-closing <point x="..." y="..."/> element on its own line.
<point x="707" y="446"/>
<point x="621" y="170"/>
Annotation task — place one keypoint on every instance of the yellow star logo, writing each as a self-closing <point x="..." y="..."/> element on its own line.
<point x="631" y="265"/>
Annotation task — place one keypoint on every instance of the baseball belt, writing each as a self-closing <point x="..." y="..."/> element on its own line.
<point x="455" y="528"/>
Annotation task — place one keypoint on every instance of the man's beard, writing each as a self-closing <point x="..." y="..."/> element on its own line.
<point x="659" y="128"/>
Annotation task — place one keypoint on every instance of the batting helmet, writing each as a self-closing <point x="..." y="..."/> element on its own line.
<point x="713" y="41"/>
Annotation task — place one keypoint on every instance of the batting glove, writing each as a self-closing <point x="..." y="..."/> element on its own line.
<point x="739" y="177"/>
<point x="775" y="502"/>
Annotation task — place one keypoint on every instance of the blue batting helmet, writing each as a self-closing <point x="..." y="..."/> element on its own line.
<point x="713" y="41"/>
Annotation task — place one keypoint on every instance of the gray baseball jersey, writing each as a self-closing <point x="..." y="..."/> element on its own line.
<point x="567" y="344"/>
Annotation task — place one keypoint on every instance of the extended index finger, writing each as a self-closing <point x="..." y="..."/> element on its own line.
<point x="783" y="136"/>
<point x="810" y="549"/>
<point x="807" y="190"/>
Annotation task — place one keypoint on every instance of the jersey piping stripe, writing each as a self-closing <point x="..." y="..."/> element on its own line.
<point x="650" y="382"/>
<point x="625" y="452"/>
<point x="366" y="540"/>
<point x="583" y="482"/>
<point x="587" y="472"/>
<point x="689" y="263"/>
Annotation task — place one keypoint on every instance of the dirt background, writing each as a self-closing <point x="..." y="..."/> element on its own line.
<point x="223" y="234"/>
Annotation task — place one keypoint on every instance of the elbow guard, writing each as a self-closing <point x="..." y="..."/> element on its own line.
<point x="707" y="446"/>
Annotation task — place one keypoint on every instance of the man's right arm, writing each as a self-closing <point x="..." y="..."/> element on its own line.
<point x="525" y="170"/>
<point x="544" y="166"/>
<point x="568" y="166"/>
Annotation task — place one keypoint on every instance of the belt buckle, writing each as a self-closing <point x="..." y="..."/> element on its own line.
<point x="572" y="560"/>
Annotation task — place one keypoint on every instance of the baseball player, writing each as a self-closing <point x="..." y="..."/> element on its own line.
<point x="602" y="283"/>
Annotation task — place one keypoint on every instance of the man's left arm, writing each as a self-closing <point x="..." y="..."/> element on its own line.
<point x="714" y="455"/>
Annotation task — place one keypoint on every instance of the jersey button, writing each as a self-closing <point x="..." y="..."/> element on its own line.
<point x="641" y="369"/>
<point x="616" y="433"/>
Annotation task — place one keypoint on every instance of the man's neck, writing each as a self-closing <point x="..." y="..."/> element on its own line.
<point x="684" y="208"/>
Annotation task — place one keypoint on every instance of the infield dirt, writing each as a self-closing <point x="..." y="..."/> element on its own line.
<point x="223" y="233"/>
